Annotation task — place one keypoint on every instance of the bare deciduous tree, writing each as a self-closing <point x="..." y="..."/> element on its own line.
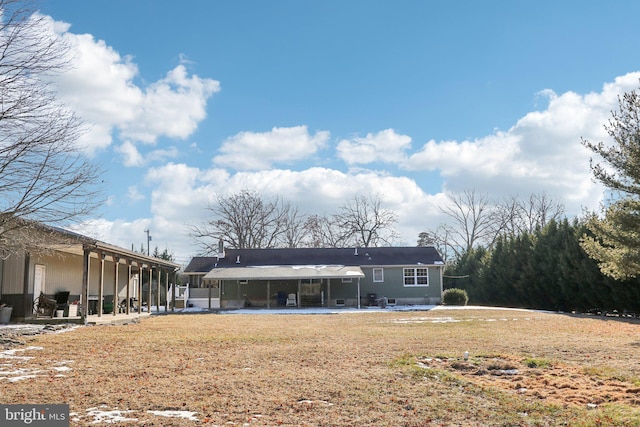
<point x="295" y="228"/>
<point x="439" y="239"/>
<point x="475" y="221"/>
<point x="324" y="232"/>
<point x="43" y="174"/>
<point x="367" y="222"/>
<point x="243" y="220"/>
<point x="527" y="215"/>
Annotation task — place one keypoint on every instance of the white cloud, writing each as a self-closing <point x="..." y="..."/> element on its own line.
<point x="126" y="234"/>
<point x="130" y="154"/>
<point x="260" y="150"/>
<point x="171" y="107"/>
<point x="133" y="194"/>
<point x="486" y="156"/>
<point x="101" y="88"/>
<point x="385" y="146"/>
<point x="162" y="155"/>
<point x="541" y="152"/>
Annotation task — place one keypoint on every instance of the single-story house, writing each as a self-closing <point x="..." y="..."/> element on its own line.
<point x="96" y="276"/>
<point x="317" y="277"/>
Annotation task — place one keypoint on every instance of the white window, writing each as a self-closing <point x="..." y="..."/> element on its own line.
<point x="378" y="275"/>
<point x="416" y="276"/>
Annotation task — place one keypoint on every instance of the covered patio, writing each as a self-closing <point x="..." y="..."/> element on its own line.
<point x="281" y="286"/>
<point x="84" y="278"/>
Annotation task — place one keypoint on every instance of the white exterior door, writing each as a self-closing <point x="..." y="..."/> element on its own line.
<point x="38" y="280"/>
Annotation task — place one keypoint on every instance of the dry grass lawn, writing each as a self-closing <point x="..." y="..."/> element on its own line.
<point x="376" y="368"/>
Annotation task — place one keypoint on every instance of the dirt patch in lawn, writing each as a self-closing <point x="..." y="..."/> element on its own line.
<point x="536" y="379"/>
<point x="380" y="368"/>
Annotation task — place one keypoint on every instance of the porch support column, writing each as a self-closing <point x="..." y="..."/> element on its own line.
<point x="140" y="282"/>
<point x="358" y="292"/>
<point x="116" y="261"/>
<point x="101" y="286"/>
<point x="159" y="280"/>
<point x="329" y="292"/>
<point x="150" y="294"/>
<point x="128" y="286"/>
<point x="173" y="294"/>
<point x="84" y="293"/>
<point x="28" y="305"/>
<point x="268" y="293"/>
<point x="166" y="290"/>
<point x="441" y="268"/>
<point x="298" y="296"/>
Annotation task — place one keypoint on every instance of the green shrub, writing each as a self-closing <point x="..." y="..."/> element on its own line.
<point x="455" y="296"/>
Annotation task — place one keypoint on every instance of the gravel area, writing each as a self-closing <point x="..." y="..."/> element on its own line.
<point x="13" y="334"/>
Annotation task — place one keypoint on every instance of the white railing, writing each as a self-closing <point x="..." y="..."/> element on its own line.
<point x="182" y="294"/>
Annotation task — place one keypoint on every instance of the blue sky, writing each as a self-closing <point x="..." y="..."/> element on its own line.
<point x="321" y="101"/>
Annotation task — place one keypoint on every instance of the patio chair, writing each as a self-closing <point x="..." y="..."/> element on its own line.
<point x="291" y="300"/>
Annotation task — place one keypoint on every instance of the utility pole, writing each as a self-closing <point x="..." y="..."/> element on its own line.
<point x="148" y="240"/>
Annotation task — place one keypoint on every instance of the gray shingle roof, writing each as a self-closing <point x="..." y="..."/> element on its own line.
<point x="379" y="256"/>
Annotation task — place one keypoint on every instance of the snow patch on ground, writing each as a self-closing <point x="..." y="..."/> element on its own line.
<point x="11" y="353"/>
<point x="105" y="415"/>
<point x="100" y="415"/>
<point x="191" y="416"/>
<point x="12" y="372"/>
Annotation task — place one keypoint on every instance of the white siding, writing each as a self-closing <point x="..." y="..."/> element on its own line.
<point x="13" y="275"/>
<point x="64" y="273"/>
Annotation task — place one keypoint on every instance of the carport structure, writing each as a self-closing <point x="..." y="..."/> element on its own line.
<point x="90" y="274"/>
<point x="128" y="271"/>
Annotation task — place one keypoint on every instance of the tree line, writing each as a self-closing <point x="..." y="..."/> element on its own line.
<point x="588" y="264"/>
<point x="247" y="220"/>
<point x="544" y="269"/>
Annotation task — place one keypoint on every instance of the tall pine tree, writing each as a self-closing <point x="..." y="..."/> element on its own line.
<point x="615" y="239"/>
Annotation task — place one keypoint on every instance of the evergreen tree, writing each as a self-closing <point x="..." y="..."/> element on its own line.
<point x="165" y="254"/>
<point x="615" y="239"/>
<point x="466" y="273"/>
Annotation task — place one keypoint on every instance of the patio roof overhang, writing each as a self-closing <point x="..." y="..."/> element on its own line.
<point x="286" y="272"/>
